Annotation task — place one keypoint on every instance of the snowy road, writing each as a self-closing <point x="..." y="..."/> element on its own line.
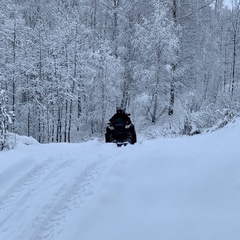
<point x="171" y="189"/>
<point x="38" y="192"/>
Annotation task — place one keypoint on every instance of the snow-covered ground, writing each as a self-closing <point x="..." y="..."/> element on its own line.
<point x="165" y="189"/>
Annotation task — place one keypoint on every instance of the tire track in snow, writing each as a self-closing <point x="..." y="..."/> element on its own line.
<point x="26" y="186"/>
<point x="20" y="184"/>
<point x="47" y="224"/>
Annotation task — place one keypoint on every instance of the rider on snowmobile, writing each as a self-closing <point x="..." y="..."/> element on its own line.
<point x="120" y="113"/>
<point x="120" y="128"/>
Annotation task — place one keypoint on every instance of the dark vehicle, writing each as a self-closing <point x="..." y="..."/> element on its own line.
<point x="120" y="129"/>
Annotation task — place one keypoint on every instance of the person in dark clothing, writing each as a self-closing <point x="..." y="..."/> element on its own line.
<point x="120" y="129"/>
<point x="120" y="114"/>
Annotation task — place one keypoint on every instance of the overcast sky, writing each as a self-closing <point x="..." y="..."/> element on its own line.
<point x="228" y="3"/>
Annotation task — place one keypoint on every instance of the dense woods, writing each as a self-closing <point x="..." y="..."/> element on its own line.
<point x="66" y="64"/>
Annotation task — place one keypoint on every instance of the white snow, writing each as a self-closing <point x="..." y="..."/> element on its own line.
<point x="184" y="188"/>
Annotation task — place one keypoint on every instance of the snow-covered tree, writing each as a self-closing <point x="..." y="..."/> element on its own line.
<point x="5" y="120"/>
<point x="158" y="43"/>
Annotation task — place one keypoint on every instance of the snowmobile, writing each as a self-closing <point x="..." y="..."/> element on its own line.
<point x="120" y="132"/>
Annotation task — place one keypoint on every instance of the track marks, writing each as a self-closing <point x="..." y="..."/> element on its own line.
<point x="69" y="196"/>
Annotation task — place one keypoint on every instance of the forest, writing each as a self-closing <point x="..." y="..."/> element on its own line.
<point x="65" y="65"/>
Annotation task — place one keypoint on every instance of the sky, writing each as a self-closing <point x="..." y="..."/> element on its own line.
<point x="180" y="188"/>
<point x="228" y="3"/>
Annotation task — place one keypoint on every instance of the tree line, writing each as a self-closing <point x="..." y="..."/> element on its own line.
<point x="66" y="64"/>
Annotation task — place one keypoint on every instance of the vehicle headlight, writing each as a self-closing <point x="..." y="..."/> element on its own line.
<point x="128" y="126"/>
<point x="111" y="127"/>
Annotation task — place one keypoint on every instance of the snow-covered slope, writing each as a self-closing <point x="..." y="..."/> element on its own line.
<point x="172" y="189"/>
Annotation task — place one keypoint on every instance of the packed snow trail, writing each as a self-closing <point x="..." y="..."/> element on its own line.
<point x="170" y="188"/>
<point x="52" y="180"/>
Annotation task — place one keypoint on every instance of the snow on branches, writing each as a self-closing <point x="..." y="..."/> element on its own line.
<point x="5" y="120"/>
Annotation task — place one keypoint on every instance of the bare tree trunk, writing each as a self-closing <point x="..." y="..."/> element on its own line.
<point x="39" y="127"/>
<point x="79" y="111"/>
<point x="66" y="122"/>
<point x="52" y="130"/>
<point x="59" y="126"/>
<point x="94" y="14"/>
<point x="115" y="27"/>
<point x="172" y="92"/>
<point x="73" y="85"/>
<point x="172" y="83"/>
<point x="156" y="90"/>
<point x="155" y="105"/>
<point x="14" y="45"/>
<point x="234" y="62"/>
<point x="235" y="25"/>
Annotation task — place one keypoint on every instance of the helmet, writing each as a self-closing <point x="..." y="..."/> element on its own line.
<point x="119" y="110"/>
